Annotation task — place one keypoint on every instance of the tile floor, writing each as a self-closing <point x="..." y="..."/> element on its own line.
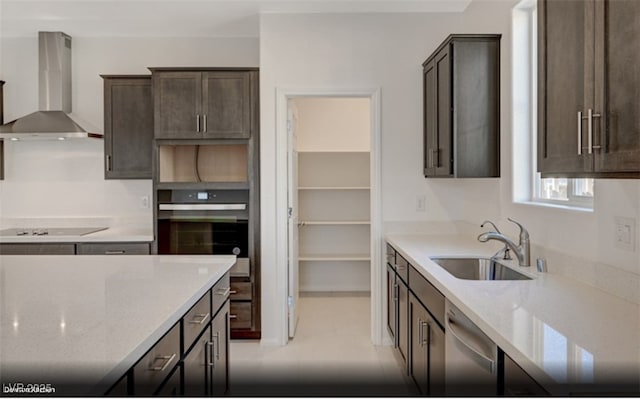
<point x="331" y="355"/>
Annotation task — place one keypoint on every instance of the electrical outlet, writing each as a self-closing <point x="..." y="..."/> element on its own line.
<point x="421" y="203"/>
<point x="625" y="233"/>
<point x="144" y="202"/>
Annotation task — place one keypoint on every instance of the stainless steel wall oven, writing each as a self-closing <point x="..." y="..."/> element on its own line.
<point x="208" y="222"/>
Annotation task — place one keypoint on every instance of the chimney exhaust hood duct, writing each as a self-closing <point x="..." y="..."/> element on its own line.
<point x="54" y="121"/>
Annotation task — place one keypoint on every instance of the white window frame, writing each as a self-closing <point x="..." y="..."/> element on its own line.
<point x="533" y="194"/>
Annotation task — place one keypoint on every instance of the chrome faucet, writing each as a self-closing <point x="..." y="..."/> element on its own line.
<point x="522" y="249"/>
<point x="505" y="250"/>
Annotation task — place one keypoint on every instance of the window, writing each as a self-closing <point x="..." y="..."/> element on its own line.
<point x="528" y="185"/>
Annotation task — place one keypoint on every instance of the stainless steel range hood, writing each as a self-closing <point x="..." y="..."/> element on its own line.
<point x="54" y="121"/>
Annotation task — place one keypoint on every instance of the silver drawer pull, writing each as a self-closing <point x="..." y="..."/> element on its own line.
<point x="203" y="318"/>
<point x="115" y="252"/>
<point x="223" y="291"/>
<point x="232" y="292"/>
<point x="232" y="316"/>
<point x="210" y="363"/>
<point x="167" y="362"/>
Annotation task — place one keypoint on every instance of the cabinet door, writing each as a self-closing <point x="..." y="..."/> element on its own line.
<point x="618" y="85"/>
<point x="171" y="387"/>
<point x="227" y="105"/>
<point x="197" y="370"/>
<point x="418" y="368"/>
<point x="177" y="105"/>
<point x="128" y="128"/>
<point x="436" y="342"/>
<point x="518" y="383"/>
<point x="403" y="319"/>
<point x="444" y="149"/>
<point x="565" y="85"/>
<point x="392" y="304"/>
<point x="430" y="114"/>
<point x="220" y="352"/>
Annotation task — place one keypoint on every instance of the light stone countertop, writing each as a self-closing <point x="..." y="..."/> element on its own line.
<point x="561" y="332"/>
<point x="89" y="318"/>
<point x="118" y="230"/>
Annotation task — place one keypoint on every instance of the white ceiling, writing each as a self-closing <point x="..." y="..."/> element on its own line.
<point x="182" y="18"/>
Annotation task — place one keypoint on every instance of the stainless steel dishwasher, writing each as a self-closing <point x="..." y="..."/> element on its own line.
<point x="471" y="357"/>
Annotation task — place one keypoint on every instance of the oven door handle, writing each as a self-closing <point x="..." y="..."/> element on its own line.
<point x="202" y="207"/>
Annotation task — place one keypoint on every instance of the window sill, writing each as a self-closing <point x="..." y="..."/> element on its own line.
<point x="571" y="208"/>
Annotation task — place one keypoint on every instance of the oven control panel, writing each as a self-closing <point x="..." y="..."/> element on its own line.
<point x="203" y="196"/>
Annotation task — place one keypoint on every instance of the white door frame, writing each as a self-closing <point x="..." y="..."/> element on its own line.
<point x="282" y="141"/>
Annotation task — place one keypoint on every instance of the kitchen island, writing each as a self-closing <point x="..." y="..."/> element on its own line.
<point x="80" y="323"/>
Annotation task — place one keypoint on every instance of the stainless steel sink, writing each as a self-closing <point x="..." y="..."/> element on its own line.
<point x="478" y="269"/>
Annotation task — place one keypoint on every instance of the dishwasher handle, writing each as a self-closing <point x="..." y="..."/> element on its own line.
<point x="482" y="360"/>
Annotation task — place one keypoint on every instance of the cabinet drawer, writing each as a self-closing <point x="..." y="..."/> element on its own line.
<point x="391" y="256"/>
<point x="240" y="315"/>
<point x="220" y="292"/>
<point x="429" y="295"/>
<point x="157" y="364"/>
<point x="402" y="268"/>
<point x="127" y="248"/>
<point x="37" y="249"/>
<point x="241" y="291"/>
<point x="196" y="320"/>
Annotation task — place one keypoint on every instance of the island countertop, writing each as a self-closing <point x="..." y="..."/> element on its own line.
<point x="91" y="317"/>
<point x="568" y="336"/>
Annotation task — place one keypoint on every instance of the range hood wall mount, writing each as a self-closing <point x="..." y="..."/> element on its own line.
<point x="54" y="121"/>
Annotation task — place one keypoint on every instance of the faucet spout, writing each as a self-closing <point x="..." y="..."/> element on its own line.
<point x="521" y="251"/>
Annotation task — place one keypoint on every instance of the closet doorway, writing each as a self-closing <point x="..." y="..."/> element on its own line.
<point x="330" y="169"/>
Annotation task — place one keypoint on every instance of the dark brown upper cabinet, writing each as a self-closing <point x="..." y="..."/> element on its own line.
<point x="588" y="88"/>
<point x="128" y="126"/>
<point x="203" y="103"/>
<point x="461" y="100"/>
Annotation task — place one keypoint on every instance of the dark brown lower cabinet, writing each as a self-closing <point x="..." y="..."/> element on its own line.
<point x="518" y="383"/>
<point x="392" y="304"/>
<point x="220" y="351"/>
<point x="427" y="342"/>
<point x="172" y="386"/>
<point x="37" y="249"/>
<point x="196" y="367"/>
<point x="199" y="365"/>
<point x="403" y="321"/>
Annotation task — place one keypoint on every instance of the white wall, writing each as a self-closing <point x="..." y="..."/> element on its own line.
<point x="386" y="51"/>
<point x="361" y="52"/>
<point x="65" y="179"/>
<point x="333" y="124"/>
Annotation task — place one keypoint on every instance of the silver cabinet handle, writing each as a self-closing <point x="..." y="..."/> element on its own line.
<point x="232" y="316"/>
<point x="198" y="123"/>
<point x="115" y="252"/>
<point x="233" y="292"/>
<point x="396" y="294"/>
<point x="580" y="132"/>
<point x="436" y="157"/>
<point x="478" y="357"/>
<point x="590" y="124"/>
<point x="590" y="130"/>
<point x="217" y="337"/>
<point x="203" y="318"/>
<point x="167" y="361"/>
<point x="420" y="331"/>
<point x="424" y="341"/>
<point x="210" y="363"/>
<point x="223" y="291"/>
<point x="204" y="123"/>
<point x="108" y="161"/>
